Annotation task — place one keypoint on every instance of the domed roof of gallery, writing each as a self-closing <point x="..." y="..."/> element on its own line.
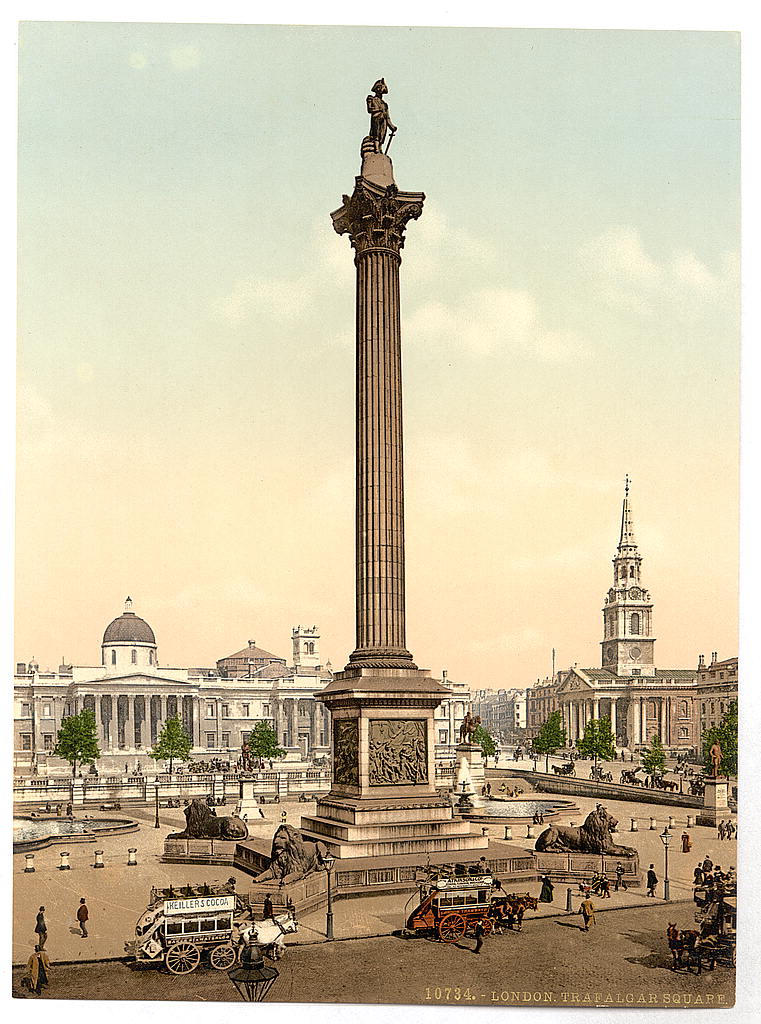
<point x="129" y="628"/>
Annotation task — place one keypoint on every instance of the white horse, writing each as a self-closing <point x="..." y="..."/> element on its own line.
<point x="269" y="934"/>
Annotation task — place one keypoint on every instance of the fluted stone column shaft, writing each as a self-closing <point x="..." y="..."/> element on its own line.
<point x="375" y="218"/>
<point x="380" y="483"/>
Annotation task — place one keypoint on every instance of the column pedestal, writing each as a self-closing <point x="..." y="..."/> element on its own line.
<point x="715" y="803"/>
<point x="383" y="800"/>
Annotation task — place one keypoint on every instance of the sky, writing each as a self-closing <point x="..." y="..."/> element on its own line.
<point x="185" y="364"/>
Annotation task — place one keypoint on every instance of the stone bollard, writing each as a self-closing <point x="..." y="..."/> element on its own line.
<point x="653" y="823"/>
<point x="690" y="820"/>
<point x="530" y="832"/>
<point x="508" y="832"/>
<point x="671" y="821"/>
<point x="64" y="865"/>
<point x="568" y="901"/>
<point x="99" y="859"/>
<point x="635" y="827"/>
<point x="29" y="863"/>
<point x="132" y="857"/>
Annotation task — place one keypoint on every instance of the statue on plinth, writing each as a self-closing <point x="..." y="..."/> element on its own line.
<point x="468" y="727"/>
<point x="380" y="122"/>
<point x="716" y="755"/>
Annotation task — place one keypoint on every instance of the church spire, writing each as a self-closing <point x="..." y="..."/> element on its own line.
<point x="627" y="528"/>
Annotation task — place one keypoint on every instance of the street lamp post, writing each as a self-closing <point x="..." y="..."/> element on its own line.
<point x="253" y="979"/>
<point x="666" y="839"/>
<point x="329" y="861"/>
<point x="157" y="823"/>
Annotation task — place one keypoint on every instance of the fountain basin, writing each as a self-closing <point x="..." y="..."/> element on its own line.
<point x="35" y="833"/>
<point x="521" y="810"/>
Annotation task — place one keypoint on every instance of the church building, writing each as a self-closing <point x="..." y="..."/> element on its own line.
<point x="640" y="699"/>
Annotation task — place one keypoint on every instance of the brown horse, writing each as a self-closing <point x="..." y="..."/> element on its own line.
<point x="681" y="942"/>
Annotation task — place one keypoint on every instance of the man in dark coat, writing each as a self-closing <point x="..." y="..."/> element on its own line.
<point x="41" y="928"/>
<point x="269" y="912"/>
<point x="478" y="931"/>
<point x="652" y="881"/>
<point x="620" y="870"/>
<point x="83" y="916"/>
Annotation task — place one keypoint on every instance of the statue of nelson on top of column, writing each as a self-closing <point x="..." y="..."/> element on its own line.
<point x="380" y="122"/>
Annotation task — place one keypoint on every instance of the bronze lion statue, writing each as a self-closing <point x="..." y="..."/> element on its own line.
<point x="594" y="836"/>
<point x="292" y="855"/>
<point x="202" y="823"/>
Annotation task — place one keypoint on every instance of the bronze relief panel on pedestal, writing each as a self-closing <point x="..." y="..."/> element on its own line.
<point x="398" y="752"/>
<point x="346" y="751"/>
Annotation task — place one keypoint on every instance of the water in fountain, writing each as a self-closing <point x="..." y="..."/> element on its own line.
<point x="465" y="791"/>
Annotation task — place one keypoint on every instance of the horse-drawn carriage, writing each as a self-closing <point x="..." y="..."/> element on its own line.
<point x="564" y="769"/>
<point x="598" y="774"/>
<point x="451" y="906"/>
<point x="179" y="927"/>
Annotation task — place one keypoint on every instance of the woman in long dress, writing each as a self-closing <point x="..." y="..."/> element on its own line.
<point x="546" y="895"/>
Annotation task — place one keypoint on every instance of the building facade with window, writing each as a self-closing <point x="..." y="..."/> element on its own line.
<point x="717" y="688"/>
<point x="131" y="695"/>
<point x="640" y="699"/>
<point x="502" y="713"/>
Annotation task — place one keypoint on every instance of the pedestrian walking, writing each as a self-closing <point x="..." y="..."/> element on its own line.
<point x="587" y="911"/>
<point x="269" y="911"/>
<point x="83" y="916"/>
<point x="605" y="887"/>
<point x="39" y="967"/>
<point x="546" y="895"/>
<point x="730" y="830"/>
<point x="721" y="830"/>
<point x="620" y="869"/>
<point x="697" y="875"/>
<point x="41" y="928"/>
<point x="478" y="931"/>
<point x="488" y="788"/>
<point x="652" y="881"/>
<point x="69" y="811"/>
<point x="686" y="842"/>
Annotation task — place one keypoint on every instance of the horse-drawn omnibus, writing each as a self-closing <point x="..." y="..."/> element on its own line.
<point x="180" y="926"/>
<point x="450" y="906"/>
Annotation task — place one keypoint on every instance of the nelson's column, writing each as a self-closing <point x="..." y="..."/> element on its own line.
<point x="383" y="799"/>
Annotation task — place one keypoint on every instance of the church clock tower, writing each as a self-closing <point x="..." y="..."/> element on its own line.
<point x="627" y="645"/>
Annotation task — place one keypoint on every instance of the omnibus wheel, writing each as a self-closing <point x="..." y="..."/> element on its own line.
<point x="452" y="928"/>
<point x="183" y="958"/>
<point x="222" y="957"/>
<point x="487" y="925"/>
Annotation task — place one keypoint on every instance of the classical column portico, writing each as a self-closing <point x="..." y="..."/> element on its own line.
<point x="613" y="725"/>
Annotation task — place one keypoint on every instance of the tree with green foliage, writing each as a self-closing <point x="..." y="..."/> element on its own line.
<point x="77" y="740"/>
<point x="485" y="740"/>
<point x="551" y="737"/>
<point x="173" y="742"/>
<point x="653" y="757"/>
<point x="597" y="741"/>
<point x="263" y="742"/>
<point x="725" y="734"/>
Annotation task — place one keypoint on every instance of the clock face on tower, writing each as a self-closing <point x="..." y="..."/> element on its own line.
<point x="608" y="654"/>
<point x="635" y="593"/>
<point x="635" y="653"/>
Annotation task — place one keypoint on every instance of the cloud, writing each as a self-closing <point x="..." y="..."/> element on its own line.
<point x="486" y="321"/>
<point x="185" y="57"/>
<point x="626" y="275"/>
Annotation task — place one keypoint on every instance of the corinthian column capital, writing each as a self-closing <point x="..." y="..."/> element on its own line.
<point x="375" y="217"/>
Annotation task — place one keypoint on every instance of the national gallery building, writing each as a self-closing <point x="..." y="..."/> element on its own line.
<point x="132" y="696"/>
